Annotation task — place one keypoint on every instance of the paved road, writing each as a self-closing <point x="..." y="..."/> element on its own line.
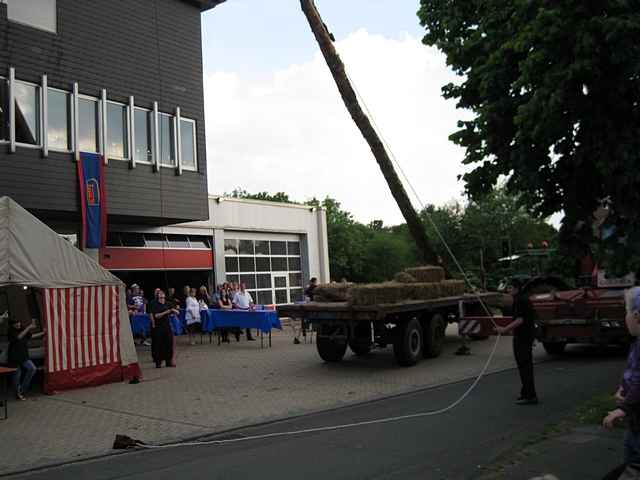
<point x="450" y="446"/>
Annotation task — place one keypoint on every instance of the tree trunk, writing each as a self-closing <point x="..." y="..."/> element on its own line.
<point x="416" y="228"/>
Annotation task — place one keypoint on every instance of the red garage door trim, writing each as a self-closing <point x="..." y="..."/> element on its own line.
<point x="122" y="258"/>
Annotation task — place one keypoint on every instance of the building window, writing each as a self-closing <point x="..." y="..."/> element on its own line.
<point x="27" y="113"/>
<point x="117" y="131"/>
<point x="88" y="121"/>
<point x="166" y="135"/>
<point x="4" y="109"/>
<point x="35" y="13"/>
<point x="188" y="144"/>
<point x="143" y="149"/>
<point x="59" y="120"/>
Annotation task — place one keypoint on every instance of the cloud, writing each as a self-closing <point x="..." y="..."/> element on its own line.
<point x="289" y="130"/>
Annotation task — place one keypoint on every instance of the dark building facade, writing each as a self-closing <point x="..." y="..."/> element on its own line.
<point x="122" y="78"/>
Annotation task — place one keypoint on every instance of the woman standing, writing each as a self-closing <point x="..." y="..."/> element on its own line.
<point x="161" y="333"/>
<point x="224" y="303"/>
<point x="192" y="315"/>
<point x="203" y="296"/>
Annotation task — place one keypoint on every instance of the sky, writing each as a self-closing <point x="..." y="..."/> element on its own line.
<point x="275" y="121"/>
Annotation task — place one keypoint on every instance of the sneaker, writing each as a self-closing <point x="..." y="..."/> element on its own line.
<point x="527" y="401"/>
<point x="296" y="341"/>
<point x="19" y="396"/>
<point x="146" y="343"/>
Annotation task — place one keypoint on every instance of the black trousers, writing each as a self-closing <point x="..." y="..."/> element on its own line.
<point x="522" y="350"/>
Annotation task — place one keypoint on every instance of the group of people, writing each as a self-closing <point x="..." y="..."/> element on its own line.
<point x="228" y="295"/>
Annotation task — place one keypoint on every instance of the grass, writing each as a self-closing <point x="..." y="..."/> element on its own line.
<point x="595" y="409"/>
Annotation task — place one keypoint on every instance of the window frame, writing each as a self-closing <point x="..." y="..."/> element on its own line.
<point x="149" y="112"/>
<point x="71" y="121"/>
<point x="193" y="168"/>
<point x="172" y="121"/>
<point x="12" y="116"/>
<point x="100" y="120"/>
<point x="8" y="140"/>
<point x="127" y="136"/>
<point x="37" y="27"/>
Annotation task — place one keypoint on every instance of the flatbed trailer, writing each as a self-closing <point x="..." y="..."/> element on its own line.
<point x="415" y="328"/>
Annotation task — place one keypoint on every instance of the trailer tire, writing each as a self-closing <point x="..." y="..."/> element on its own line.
<point x="409" y="344"/>
<point x="554" y="348"/>
<point x="434" y="336"/>
<point x="359" y="349"/>
<point x="330" y="350"/>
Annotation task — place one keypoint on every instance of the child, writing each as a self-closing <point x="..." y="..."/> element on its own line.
<point x="628" y="394"/>
<point x="19" y="356"/>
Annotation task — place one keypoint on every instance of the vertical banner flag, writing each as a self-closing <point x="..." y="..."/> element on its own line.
<point x="92" y="200"/>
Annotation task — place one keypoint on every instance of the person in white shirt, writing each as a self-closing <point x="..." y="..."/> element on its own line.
<point x="192" y="315"/>
<point x="242" y="301"/>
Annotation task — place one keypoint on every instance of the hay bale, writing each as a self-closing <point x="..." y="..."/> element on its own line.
<point x="452" y="288"/>
<point x="424" y="291"/>
<point x="428" y="274"/>
<point x="332" y="292"/>
<point x="377" y="293"/>
<point x="404" y="277"/>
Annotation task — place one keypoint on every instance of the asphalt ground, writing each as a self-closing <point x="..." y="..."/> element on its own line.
<point x="457" y="445"/>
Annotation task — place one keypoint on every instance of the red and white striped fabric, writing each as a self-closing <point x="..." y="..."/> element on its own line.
<point x="83" y="336"/>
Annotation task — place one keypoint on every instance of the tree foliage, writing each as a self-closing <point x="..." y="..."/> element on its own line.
<point x="554" y="88"/>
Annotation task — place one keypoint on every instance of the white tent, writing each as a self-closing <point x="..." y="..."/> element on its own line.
<point x="89" y="337"/>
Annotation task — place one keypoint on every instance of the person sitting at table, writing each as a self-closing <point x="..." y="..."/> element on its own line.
<point x="161" y="333"/>
<point x="18" y="355"/>
<point x="242" y="300"/>
<point x="192" y="316"/>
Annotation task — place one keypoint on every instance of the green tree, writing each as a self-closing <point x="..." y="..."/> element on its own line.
<point x="554" y="88"/>
<point x="280" y="197"/>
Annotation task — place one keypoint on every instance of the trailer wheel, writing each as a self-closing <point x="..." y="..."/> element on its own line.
<point x="359" y="349"/>
<point x="554" y="348"/>
<point x="408" y="346"/>
<point x="330" y="350"/>
<point x="434" y="336"/>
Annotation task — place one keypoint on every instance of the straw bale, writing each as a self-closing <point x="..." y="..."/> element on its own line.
<point x="424" y="291"/>
<point x="404" y="277"/>
<point x="452" y="288"/>
<point x="376" y="293"/>
<point x="426" y="274"/>
<point x="331" y="292"/>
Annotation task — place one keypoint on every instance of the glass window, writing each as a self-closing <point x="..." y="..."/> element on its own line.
<point x="247" y="264"/>
<point x="142" y="128"/>
<point x="278" y="248"/>
<point x="187" y="145"/>
<point x="233" y="278"/>
<point x="113" y="239"/>
<point x="280" y="282"/>
<point x="253" y="294"/>
<point x="155" y="240"/>
<point x="249" y="281"/>
<point x="117" y="131"/>
<point x="59" y="120"/>
<point x="132" y="240"/>
<point x="263" y="264"/>
<point x="295" y="279"/>
<point x="27" y="103"/>
<point x="246" y="247"/>
<point x="278" y="264"/>
<point x="294" y="264"/>
<point x="230" y="246"/>
<point x="178" y="241"/>
<point x="165" y="131"/>
<point x="293" y="248"/>
<point x="200" y="242"/>
<point x="4" y="109"/>
<point x="296" y="294"/>
<point x="262" y="247"/>
<point x="281" y="296"/>
<point x="265" y="297"/>
<point x="231" y="264"/>
<point x="88" y="114"/>
<point x="35" y="13"/>
<point x="264" y="280"/>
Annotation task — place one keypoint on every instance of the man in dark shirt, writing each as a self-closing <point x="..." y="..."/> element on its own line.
<point x="19" y="356"/>
<point x="523" y="328"/>
<point x="309" y="291"/>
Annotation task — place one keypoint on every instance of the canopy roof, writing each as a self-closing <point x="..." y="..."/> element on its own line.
<point x="32" y="254"/>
